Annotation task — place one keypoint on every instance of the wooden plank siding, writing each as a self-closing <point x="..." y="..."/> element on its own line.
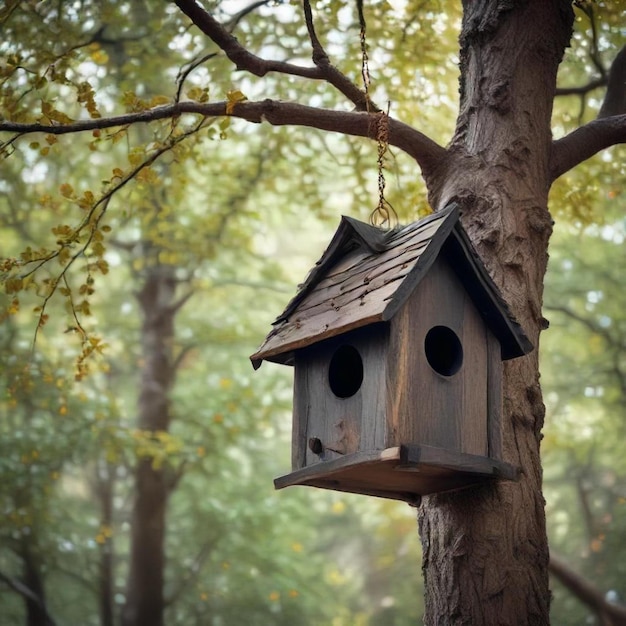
<point x="425" y="407"/>
<point x="342" y="425"/>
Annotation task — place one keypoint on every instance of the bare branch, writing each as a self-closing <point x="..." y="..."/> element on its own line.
<point x="585" y="591"/>
<point x="242" y="58"/>
<point x="615" y="98"/>
<point x="606" y="131"/>
<point x="233" y="21"/>
<point x="23" y="590"/>
<point x="424" y="150"/>
<point x="192" y="571"/>
<point x="245" y="60"/>
<point x="320" y="57"/>
<point x="180" y="303"/>
<point x="183" y="73"/>
<point x="581" y="90"/>
<point x="586" y="141"/>
<point x="594" y="49"/>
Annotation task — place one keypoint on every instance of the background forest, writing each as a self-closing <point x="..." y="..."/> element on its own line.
<point x="130" y="355"/>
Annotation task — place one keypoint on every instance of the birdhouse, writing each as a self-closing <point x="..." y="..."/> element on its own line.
<point x="397" y="339"/>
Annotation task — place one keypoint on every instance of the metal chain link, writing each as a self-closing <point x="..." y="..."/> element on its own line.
<point x="384" y="215"/>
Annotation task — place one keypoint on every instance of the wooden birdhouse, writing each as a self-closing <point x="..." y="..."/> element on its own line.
<point x="397" y="339"/>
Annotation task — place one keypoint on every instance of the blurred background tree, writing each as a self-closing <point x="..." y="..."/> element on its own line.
<point x="135" y="381"/>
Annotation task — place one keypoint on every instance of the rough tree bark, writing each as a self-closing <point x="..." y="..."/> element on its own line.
<point x="144" y="593"/>
<point x="486" y="551"/>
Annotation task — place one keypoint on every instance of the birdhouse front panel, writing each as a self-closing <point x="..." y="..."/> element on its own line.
<point x="438" y="365"/>
<point x="339" y="397"/>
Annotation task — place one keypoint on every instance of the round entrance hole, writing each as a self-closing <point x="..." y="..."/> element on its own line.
<point x="444" y="351"/>
<point x="345" y="372"/>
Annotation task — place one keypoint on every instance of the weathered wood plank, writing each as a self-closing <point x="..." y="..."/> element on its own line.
<point x="340" y="425"/>
<point x="367" y="277"/>
<point x="494" y="396"/>
<point x="295" y="334"/>
<point x="401" y="472"/>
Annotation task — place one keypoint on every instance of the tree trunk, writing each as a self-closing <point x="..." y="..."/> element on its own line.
<point x="104" y="490"/>
<point x="144" y="595"/>
<point x="485" y="550"/>
<point x="35" y="600"/>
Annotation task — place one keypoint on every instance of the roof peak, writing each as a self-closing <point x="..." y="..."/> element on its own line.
<point x="366" y="275"/>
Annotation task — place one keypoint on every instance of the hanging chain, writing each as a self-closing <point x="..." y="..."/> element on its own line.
<point x="365" y="70"/>
<point x="384" y="214"/>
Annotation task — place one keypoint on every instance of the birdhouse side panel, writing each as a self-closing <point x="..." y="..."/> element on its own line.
<point x="438" y="367"/>
<point x="494" y="396"/>
<point x="339" y="397"/>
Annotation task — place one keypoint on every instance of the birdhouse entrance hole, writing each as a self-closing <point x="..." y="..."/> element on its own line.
<point x="444" y="351"/>
<point x="345" y="372"/>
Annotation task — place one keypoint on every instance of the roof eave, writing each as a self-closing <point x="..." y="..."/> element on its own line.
<point x="486" y="295"/>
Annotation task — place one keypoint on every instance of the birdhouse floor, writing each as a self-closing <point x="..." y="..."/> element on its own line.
<point x="404" y="472"/>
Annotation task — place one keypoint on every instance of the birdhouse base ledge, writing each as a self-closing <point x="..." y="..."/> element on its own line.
<point x="404" y="472"/>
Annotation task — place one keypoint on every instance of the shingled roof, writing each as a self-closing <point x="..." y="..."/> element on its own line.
<point x="366" y="274"/>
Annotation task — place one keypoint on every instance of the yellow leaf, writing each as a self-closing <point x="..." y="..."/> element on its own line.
<point x="198" y="94"/>
<point x="233" y="97"/>
<point x="338" y="507"/>
<point x="100" y="57"/>
<point x="159" y="100"/>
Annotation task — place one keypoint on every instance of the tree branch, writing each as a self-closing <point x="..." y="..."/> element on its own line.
<point x="242" y="58"/>
<point x="424" y="150"/>
<point x="615" y="97"/>
<point x="611" y="614"/>
<point x="192" y="571"/>
<point x="24" y="591"/>
<point x="607" y="130"/>
<point x="245" y="60"/>
<point x="581" y="90"/>
<point x="586" y="141"/>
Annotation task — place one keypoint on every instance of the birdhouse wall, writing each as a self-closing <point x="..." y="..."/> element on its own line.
<point x="339" y="396"/>
<point x="444" y="370"/>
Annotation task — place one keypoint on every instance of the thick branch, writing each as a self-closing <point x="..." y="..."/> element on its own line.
<point x="424" y="150"/>
<point x="242" y="58"/>
<point x="608" y="130"/>
<point x="611" y="614"/>
<point x="245" y="60"/>
<point x="586" y="141"/>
